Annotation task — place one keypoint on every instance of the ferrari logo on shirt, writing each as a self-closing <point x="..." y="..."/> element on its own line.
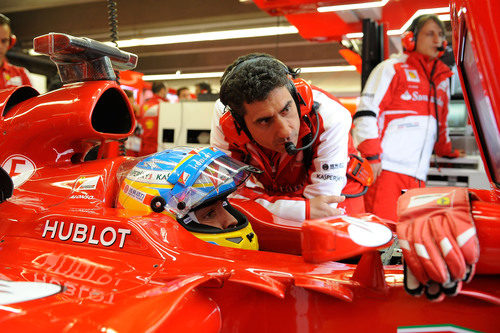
<point x="412" y="75"/>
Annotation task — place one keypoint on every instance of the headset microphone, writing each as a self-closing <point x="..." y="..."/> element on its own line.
<point x="440" y="48"/>
<point x="290" y="147"/>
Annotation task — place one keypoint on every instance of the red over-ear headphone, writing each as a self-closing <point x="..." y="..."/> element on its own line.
<point x="409" y="43"/>
<point x="234" y="129"/>
<point x="12" y="42"/>
<point x="409" y="37"/>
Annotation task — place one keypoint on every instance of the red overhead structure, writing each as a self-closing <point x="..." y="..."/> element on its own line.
<point x="328" y="26"/>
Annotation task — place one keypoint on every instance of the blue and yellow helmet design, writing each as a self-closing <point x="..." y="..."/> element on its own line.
<point x="180" y="180"/>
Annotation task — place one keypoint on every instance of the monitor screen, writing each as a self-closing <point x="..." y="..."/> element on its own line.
<point x="484" y="117"/>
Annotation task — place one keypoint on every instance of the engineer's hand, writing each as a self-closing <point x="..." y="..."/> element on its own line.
<point x="319" y="206"/>
<point x="377" y="169"/>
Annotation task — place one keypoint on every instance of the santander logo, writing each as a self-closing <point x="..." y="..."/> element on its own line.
<point x="406" y="96"/>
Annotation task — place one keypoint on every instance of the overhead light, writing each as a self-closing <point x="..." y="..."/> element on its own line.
<point x="207" y="36"/>
<point x="444" y="17"/>
<point x="180" y="76"/>
<point x="327" y="69"/>
<point x="417" y="14"/>
<point x="362" y="5"/>
<point x="202" y="36"/>
<point x="406" y="25"/>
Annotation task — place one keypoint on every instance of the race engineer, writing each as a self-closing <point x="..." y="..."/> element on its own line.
<point x="191" y="186"/>
<point x="402" y="116"/>
<point x="148" y="119"/>
<point x="10" y="75"/>
<point x="297" y="134"/>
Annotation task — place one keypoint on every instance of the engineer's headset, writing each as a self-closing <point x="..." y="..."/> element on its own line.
<point x="409" y="38"/>
<point x="233" y="125"/>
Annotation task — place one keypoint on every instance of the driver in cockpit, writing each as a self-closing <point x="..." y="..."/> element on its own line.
<point x="191" y="185"/>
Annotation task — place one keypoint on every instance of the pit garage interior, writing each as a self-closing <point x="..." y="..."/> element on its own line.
<point x="297" y="33"/>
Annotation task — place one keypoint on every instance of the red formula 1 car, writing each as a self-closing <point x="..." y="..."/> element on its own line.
<point x="70" y="260"/>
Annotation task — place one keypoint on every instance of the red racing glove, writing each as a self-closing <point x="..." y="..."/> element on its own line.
<point x="437" y="235"/>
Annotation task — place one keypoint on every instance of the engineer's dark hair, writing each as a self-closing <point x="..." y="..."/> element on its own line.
<point x="4" y="20"/>
<point x="157" y="86"/>
<point x="251" y="78"/>
<point x="421" y="20"/>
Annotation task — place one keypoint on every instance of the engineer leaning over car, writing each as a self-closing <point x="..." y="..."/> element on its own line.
<point x="296" y="134"/>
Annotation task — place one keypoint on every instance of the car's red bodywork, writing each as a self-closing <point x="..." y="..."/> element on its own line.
<point x="122" y="271"/>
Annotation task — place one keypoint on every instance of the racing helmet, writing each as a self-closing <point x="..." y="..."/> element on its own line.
<point x="179" y="181"/>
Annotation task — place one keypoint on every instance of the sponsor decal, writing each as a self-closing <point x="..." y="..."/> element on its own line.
<point x="154" y="163"/>
<point x="327" y="176"/>
<point x="86" y="183"/>
<point x="184" y="178"/>
<point x="333" y="166"/>
<point x="406" y="96"/>
<point x="82" y="196"/>
<point x="85" y="275"/>
<point x="21" y="291"/>
<point x="420" y="200"/>
<point x="444" y="201"/>
<point x="416" y="97"/>
<point x="412" y="75"/>
<point x="20" y="169"/>
<point x="148" y="176"/>
<point x="134" y="193"/>
<point x="80" y="233"/>
<point x="149" y="124"/>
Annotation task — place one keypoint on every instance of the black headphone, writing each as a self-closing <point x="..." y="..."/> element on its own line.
<point x="304" y="105"/>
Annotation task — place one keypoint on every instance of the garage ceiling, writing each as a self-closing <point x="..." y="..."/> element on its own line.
<point x="146" y="18"/>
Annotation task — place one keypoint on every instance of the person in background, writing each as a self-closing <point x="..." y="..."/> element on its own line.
<point x="402" y="116"/>
<point x="135" y="107"/>
<point x="184" y="94"/>
<point x="10" y="75"/>
<point x="148" y="119"/>
<point x="203" y="88"/>
<point x="265" y="119"/>
<point x="203" y="92"/>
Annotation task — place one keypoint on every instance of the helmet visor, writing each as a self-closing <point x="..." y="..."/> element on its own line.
<point x="219" y="178"/>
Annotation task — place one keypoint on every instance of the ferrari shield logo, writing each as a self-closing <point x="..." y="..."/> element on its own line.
<point x="412" y="75"/>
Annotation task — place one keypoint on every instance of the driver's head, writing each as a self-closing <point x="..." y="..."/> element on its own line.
<point x="191" y="185"/>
